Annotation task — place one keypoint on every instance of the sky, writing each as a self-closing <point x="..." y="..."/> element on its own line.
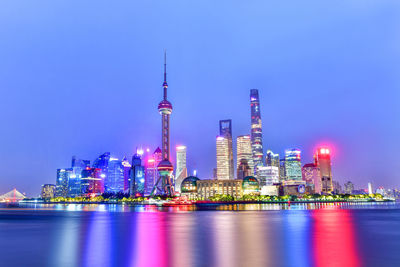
<point x="85" y="77"/>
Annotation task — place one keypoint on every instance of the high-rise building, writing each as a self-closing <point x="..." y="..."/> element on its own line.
<point x="370" y="189"/>
<point x="322" y="159"/>
<point x="312" y="176"/>
<point x="272" y="159"/>
<point x="62" y="182"/>
<point x="114" y="176"/>
<point x="348" y="188"/>
<point x="165" y="168"/>
<point x="282" y="171"/>
<point x="151" y="172"/>
<point x="137" y="181"/>
<point x="243" y="145"/>
<point x="48" y="191"/>
<point x="92" y="182"/>
<point x="293" y="164"/>
<point x="268" y="175"/>
<point x="225" y="130"/>
<point x="223" y="159"/>
<point x="101" y="163"/>
<point x="256" y="128"/>
<point x="74" y="182"/>
<point x="337" y="188"/>
<point x="127" y="171"/>
<point x="243" y="169"/>
<point x="181" y="169"/>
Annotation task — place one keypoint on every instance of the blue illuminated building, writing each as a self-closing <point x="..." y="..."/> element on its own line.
<point x="62" y="182"/>
<point x="75" y="179"/>
<point x="136" y="185"/>
<point x="114" y="180"/>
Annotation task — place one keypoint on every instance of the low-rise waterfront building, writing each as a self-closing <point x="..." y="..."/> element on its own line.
<point x="210" y="188"/>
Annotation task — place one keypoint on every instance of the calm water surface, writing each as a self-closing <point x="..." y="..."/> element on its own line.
<point x="252" y="235"/>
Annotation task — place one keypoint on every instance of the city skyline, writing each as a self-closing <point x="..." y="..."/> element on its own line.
<point x="102" y="97"/>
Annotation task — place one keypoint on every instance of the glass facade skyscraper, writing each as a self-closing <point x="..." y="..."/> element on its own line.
<point x="225" y="150"/>
<point x="63" y="176"/>
<point x="137" y="181"/>
<point x="293" y="164"/>
<point x="181" y="169"/>
<point x="74" y="182"/>
<point x="114" y="176"/>
<point x="256" y="128"/>
<point x="243" y="145"/>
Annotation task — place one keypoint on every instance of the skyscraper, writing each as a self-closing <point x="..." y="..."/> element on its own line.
<point x="225" y="131"/>
<point x="223" y="160"/>
<point x="115" y="176"/>
<point x="151" y="172"/>
<point x="322" y="159"/>
<point x="62" y="182"/>
<point x="272" y="159"/>
<point x="102" y="163"/>
<point x="348" y="188"/>
<point x="74" y="182"/>
<point x="256" y="128"/>
<point x="282" y="171"/>
<point x="293" y="164"/>
<point x="127" y="170"/>
<point x="137" y="181"/>
<point x="243" y="169"/>
<point x="181" y="169"/>
<point x="165" y="167"/>
<point x="312" y="175"/>
<point x="243" y="145"/>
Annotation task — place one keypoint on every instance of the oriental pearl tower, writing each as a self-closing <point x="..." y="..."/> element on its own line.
<point x="165" y="168"/>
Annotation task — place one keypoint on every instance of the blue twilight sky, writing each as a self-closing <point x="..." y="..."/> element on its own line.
<point x="84" y="77"/>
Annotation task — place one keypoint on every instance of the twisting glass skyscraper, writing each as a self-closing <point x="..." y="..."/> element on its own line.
<point x="256" y="128"/>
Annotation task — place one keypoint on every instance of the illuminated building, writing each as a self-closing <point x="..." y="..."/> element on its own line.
<point x="62" y="182"/>
<point x="92" y="182"/>
<point x="181" y="169"/>
<point x="243" y="169"/>
<point x="282" y="171"/>
<point x="151" y="172"/>
<point x="295" y="188"/>
<point x="348" y="188"/>
<point x="243" y="144"/>
<point x="267" y="175"/>
<point x="137" y="181"/>
<point x="114" y="181"/>
<point x="209" y="188"/>
<point x="370" y="189"/>
<point x="189" y="187"/>
<point x="101" y="163"/>
<point x="223" y="160"/>
<point x="256" y="128"/>
<point x="48" y="191"/>
<point x="293" y="164"/>
<point x="225" y="131"/>
<point x="127" y="171"/>
<point x="272" y="159"/>
<point x="337" y="188"/>
<point x="312" y="176"/>
<point x="165" y="167"/>
<point x="323" y="160"/>
<point x="250" y="186"/>
<point x="74" y="182"/>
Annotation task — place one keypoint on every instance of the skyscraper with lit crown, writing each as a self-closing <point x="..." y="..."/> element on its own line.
<point x="322" y="159"/>
<point x="256" y="128"/>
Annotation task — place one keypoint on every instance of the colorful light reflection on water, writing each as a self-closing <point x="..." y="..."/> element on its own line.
<point x="252" y="235"/>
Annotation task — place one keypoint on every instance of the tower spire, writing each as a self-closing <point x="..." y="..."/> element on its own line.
<point x="165" y="85"/>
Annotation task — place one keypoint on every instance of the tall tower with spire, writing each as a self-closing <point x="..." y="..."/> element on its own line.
<point x="165" y="168"/>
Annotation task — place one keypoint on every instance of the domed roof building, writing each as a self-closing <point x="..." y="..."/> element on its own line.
<point x="250" y="185"/>
<point x="189" y="187"/>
